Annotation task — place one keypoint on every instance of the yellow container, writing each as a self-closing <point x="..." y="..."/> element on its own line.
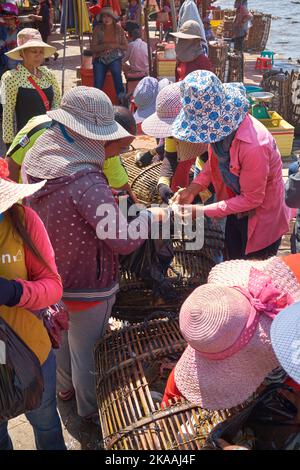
<point x="274" y="120"/>
<point x="284" y="136"/>
<point x="215" y="23"/>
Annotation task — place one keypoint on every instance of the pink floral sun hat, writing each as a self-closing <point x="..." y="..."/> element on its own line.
<point x="227" y="328"/>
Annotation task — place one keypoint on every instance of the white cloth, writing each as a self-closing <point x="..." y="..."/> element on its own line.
<point x="189" y="11"/>
<point x="137" y="56"/>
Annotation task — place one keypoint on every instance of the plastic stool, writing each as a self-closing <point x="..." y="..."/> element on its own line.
<point x="109" y="88"/>
<point x="263" y="63"/>
<point x="269" y="54"/>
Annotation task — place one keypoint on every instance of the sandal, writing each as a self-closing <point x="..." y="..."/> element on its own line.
<point x="66" y="395"/>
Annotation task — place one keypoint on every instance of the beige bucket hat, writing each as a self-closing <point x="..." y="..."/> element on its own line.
<point x="90" y="113"/>
<point x="30" y="37"/>
<point x="189" y="30"/>
<point x="10" y="192"/>
<point x="109" y="11"/>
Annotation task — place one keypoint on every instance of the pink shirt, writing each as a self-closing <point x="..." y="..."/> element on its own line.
<point x="137" y="56"/>
<point x="255" y="158"/>
<point x="44" y="286"/>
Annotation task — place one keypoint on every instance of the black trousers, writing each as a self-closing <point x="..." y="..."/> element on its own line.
<point x="236" y="237"/>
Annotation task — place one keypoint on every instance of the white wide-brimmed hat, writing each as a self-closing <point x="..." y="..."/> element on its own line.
<point x="285" y="339"/>
<point x="90" y="113"/>
<point x="30" y="37"/>
<point x="10" y="192"/>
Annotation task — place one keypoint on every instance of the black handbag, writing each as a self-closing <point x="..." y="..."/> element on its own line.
<point x="21" y="378"/>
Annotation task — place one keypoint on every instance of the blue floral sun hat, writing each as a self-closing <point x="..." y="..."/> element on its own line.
<point x="211" y="111"/>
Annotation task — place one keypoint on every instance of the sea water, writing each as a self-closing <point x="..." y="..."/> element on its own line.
<point x="284" y="37"/>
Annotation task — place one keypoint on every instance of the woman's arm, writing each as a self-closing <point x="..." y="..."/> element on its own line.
<point x="9" y="91"/>
<point x="122" y="43"/>
<point x="253" y="180"/>
<point x="44" y="286"/>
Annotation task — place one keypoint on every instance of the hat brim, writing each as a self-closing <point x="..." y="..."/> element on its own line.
<point x="157" y="127"/>
<point x="285" y="338"/>
<point x="108" y="13"/>
<point x="15" y="53"/>
<point x="212" y="134"/>
<point x="181" y="35"/>
<point x="143" y="113"/>
<point x="11" y="193"/>
<point x="219" y="385"/>
<point x="91" y="131"/>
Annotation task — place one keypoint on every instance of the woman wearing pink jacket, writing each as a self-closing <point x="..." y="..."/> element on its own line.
<point x="244" y="165"/>
<point x="29" y="282"/>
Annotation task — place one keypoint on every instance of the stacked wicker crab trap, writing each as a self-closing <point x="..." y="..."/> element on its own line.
<point x="132" y="366"/>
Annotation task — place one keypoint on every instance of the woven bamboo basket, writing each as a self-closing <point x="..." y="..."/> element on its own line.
<point x="189" y="269"/>
<point x="132" y="366"/>
<point x="280" y="85"/>
<point x="235" y="71"/>
<point x="218" y="57"/>
<point x="259" y="32"/>
<point x="143" y="181"/>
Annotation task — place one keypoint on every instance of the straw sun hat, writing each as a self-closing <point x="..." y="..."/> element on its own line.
<point x="90" y="113"/>
<point x="226" y="324"/>
<point x="189" y="30"/>
<point x="30" y="37"/>
<point x="11" y="193"/>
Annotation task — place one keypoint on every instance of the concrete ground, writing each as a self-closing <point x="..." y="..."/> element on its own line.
<point x="77" y="434"/>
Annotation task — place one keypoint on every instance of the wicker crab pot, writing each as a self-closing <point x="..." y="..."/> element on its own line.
<point x="132" y="366"/>
<point x="189" y="269"/>
<point x="143" y="181"/>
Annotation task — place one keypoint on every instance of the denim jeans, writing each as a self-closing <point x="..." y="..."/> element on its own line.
<point x="115" y="68"/>
<point x="45" y="419"/>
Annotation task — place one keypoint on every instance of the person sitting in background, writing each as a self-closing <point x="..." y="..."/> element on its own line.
<point x="31" y="89"/>
<point x="136" y="55"/>
<point x="109" y="45"/>
<point x="190" y="55"/>
<point x="240" y="24"/>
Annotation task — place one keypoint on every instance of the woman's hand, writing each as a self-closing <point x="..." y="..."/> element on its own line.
<point x="159" y="214"/>
<point x="186" y="195"/>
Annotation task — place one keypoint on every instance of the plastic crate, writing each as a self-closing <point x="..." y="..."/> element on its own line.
<point x="165" y="67"/>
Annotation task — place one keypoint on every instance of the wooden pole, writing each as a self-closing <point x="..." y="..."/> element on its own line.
<point x="174" y="16"/>
<point x="65" y="46"/>
<point x="146" y="13"/>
